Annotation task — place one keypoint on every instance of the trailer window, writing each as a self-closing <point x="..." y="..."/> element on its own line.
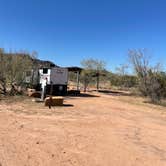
<point x="45" y="71"/>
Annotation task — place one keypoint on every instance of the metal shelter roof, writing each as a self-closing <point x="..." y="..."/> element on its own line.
<point x="74" y="69"/>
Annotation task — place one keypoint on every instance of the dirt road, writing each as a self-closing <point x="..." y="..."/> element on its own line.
<point x="108" y="130"/>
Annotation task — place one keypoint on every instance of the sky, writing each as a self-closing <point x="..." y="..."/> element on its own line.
<point x="68" y="31"/>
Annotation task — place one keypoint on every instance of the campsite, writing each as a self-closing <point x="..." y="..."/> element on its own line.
<point x="82" y="83"/>
<point x="52" y="115"/>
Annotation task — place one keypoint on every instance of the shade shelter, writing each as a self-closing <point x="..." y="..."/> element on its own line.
<point x="76" y="70"/>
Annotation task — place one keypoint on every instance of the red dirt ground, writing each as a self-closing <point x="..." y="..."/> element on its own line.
<point x="105" y="130"/>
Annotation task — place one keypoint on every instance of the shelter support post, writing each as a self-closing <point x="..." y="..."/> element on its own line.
<point x="78" y="79"/>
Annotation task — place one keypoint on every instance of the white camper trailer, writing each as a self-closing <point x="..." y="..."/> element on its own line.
<point x="54" y="79"/>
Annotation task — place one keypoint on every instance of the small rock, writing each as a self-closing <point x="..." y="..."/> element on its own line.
<point x="37" y="142"/>
<point x="21" y="126"/>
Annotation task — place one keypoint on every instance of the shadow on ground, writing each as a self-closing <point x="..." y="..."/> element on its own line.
<point x="64" y="105"/>
<point x="115" y="93"/>
<point x="82" y="95"/>
<point x="160" y="103"/>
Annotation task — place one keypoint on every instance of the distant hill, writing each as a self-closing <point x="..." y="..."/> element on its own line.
<point x="43" y="64"/>
<point x="35" y="61"/>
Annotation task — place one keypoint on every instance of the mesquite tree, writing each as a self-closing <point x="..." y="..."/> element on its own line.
<point x="150" y="78"/>
<point x="93" y="68"/>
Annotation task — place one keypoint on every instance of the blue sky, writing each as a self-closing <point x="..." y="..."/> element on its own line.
<point x="67" y="31"/>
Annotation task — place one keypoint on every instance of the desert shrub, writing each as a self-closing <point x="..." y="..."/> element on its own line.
<point x="13" y="67"/>
<point x="151" y="81"/>
<point x="123" y="81"/>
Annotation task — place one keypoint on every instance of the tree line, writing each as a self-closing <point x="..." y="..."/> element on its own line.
<point x="149" y="80"/>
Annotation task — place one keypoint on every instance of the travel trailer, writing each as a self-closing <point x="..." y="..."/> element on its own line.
<point x="54" y="80"/>
<point x="51" y="79"/>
